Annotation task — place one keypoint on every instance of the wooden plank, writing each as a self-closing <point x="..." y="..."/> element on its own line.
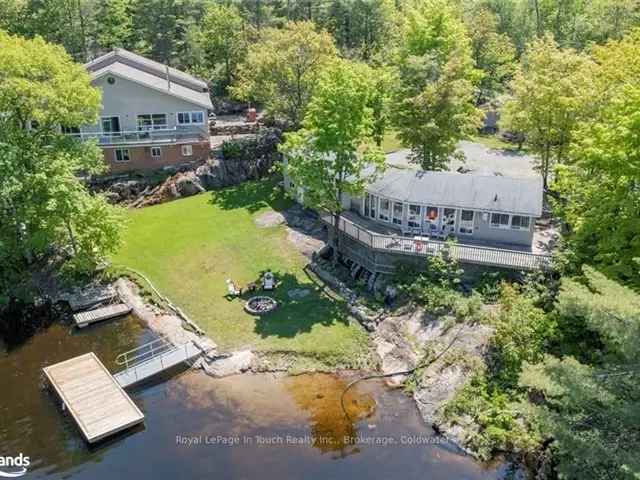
<point x="97" y="403"/>
<point x="99" y="314"/>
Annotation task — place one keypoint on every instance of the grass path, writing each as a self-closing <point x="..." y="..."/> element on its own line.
<point x="189" y="247"/>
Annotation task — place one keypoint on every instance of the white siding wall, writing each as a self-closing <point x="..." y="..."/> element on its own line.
<point x="127" y="100"/>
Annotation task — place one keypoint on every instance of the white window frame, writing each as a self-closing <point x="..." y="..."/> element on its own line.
<point x="466" y="227"/>
<point x="153" y="126"/>
<point x="414" y="219"/>
<point x="520" y="227"/>
<point x="186" y="150"/>
<point x="500" y="226"/>
<point x="394" y="220"/>
<point x="381" y="216"/>
<point x="373" y="206"/>
<point x="124" y="152"/>
<point x="190" y="116"/>
<point x="159" y="150"/>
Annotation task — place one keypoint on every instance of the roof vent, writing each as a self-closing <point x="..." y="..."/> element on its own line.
<point x="111" y="80"/>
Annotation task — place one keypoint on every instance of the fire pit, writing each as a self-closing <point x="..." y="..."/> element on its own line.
<point x="260" y="305"/>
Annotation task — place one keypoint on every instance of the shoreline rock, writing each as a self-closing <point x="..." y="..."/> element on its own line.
<point x="402" y="342"/>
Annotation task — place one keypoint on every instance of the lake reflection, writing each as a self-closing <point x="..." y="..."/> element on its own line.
<point x="250" y="426"/>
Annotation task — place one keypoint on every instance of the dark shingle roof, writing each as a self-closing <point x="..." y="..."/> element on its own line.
<point x="478" y="192"/>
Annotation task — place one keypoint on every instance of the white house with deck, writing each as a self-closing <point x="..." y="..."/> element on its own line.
<point x="152" y="115"/>
<point x="412" y="212"/>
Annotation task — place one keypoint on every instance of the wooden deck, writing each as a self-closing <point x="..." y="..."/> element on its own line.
<point x="473" y="254"/>
<point x="95" y="400"/>
<point x="99" y="314"/>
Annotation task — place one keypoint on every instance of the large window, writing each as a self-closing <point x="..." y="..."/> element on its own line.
<point x="122" y="155"/>
<point x="385" y="206"/>
<point x="152" y="121"/>
<point x="431" y="218"/>
<point x="413" y="219"/>
<point x="519" y="222"/>
<point x="70" y="130"/>
<point x="397" y="213"/>
<point x="499" y="220"/>
<point x="449" y="217"/>
<point x="190" y="118"/>
<point x="373" y="206"/>
<point x="466" y="222"/>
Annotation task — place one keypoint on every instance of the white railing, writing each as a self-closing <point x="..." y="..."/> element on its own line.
<point x="421" y="246"/>
<point x="165" y="135"/>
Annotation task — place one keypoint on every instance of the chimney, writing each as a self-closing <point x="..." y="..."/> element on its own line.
<point x="168" y="77"/>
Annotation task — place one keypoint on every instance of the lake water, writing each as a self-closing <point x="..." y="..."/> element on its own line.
<point x="244" y="427"/>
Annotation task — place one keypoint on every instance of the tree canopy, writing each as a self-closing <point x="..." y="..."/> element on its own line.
<point x="591" y="411"/>
<point x="44" y="207"/>
<point x="549" y="94"/>
<point x="281" y="70"/>
<point x="434" y="102"/>
<point x="334" y="153"/>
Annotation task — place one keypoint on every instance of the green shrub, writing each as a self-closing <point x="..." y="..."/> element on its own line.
<point x="523" y="332"/>
<point x="497" y="415"/>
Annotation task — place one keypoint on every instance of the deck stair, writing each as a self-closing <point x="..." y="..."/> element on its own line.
<point x="154" y="358"/>
<point x="372" y="281"/>
<point x="88" y="317"/>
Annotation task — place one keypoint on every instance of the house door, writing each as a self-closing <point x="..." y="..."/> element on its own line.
<point x="448" y="221"/>
<point x="110" y="125"/>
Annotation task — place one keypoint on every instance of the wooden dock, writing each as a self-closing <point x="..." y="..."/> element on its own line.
<point x="158" y="363"/>
<point x="83" y="319"/>
<point x="97" y="403"/>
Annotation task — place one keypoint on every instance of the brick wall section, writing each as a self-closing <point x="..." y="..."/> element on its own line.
<point x="141" y="159"/>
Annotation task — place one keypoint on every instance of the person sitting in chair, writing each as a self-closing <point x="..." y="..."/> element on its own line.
<point x="232" y="290"/>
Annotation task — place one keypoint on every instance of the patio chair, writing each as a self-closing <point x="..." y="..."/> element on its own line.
<point x="268" y="281"/>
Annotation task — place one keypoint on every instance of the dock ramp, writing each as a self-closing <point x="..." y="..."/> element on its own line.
<point x="154" y="358"/>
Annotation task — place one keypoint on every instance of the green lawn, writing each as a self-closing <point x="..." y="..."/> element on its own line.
<point x="189" y="247"/>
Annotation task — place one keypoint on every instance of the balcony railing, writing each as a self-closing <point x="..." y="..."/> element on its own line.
<point x="165" y="135"/>
<point x="421" y="246"/>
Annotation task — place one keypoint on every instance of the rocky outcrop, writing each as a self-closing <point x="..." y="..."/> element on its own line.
<point x="234" y="128"/>
<point x="404" y="341"/>
<point x="368" y="319"/>
<point x="240" y="160"/>
<point x="230" y="364"/>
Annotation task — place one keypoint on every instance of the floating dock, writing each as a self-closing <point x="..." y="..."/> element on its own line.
<point x="99" y="314"/>
<point x="96" y="401"/>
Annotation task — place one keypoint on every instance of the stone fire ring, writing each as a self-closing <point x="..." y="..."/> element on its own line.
<point x="260" y="305"/>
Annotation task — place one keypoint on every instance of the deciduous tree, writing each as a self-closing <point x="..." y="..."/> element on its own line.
<point x="334" y="154"/>
<point x="600" y="198"/>
<point x="224" y="42"/>
<point x="548" y="101"/>
<point x="281" y="70"/>
<point x="433" y="104"/>
<point x="493" y="53"/>
<point x="44" y="207"/>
